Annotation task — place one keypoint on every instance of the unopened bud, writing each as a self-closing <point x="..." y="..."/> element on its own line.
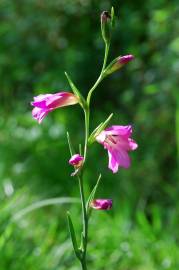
<point x="118" y="63"/>
<point x="125" y="59"/>
<point x="76" y="160"/>
<point x="101" y="204"/>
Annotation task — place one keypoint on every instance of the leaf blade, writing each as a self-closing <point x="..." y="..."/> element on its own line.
<point x="76" y="91"/>
<point x="73" y="236"/>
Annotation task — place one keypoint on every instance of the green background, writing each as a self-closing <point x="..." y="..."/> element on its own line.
<point x="39" y="40"/>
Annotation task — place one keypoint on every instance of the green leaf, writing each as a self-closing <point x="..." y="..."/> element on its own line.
<point x="94" y="132"/>
<point x="76" y="91"/>
<point x="111" y="67"/>
<point x="73" y="236"/>
<point x="92" y="194"/>
<point x="43" y="203"/>
<point x="105" y="123"/>
<point x="72" y="151"/>
<point x="82" y="242"/>
<point x="100" y="128"/>
<point x="80" y="149"/>
<point x="112" y="17"/>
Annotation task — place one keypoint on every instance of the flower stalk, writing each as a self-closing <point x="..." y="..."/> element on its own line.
<point x="87" y="118"/>
<point x="101" y="76"/>
<point x="84" y="239"/>
<point x="116" y="139"/>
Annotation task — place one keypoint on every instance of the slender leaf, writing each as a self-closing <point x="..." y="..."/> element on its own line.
<point x="72" y="151"/>
<point x="80" y="149"/>
<point x="73" y="235"/>
<point x="93" y="192"/>
<point x="76" y="91"/>
<point x="112" y="17"/>
<point x="100" y="128"/>
<point x="94" y="132"/>
<point x="43" y="203"/>
<point x="82" y="242"/>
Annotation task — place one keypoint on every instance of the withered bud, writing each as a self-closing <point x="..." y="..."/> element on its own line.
<point x="106" y="26"/>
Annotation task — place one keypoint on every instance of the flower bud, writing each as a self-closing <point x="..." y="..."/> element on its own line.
<point x="76" y="161"/>
<point x="101" y="204"/>
<point x="118" y="63"/>
<point x="105" y="26"/>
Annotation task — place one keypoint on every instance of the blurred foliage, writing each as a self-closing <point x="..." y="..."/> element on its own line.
<point x="39" y="41"/>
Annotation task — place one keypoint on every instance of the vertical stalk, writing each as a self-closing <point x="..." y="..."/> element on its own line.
<point x="87" y="114"/>
<point x="107" y="45"/>
<point x="177" y="130"/>
<point x="83" y="202"/>
<point x="83" y="264"/>
<point x="85" y="225"/>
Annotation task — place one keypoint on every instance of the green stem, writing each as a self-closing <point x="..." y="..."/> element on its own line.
<point x="83" y="265"/>
<point x="100" y="78"/>
<point x="177" y="128"/>
<point x="87" y="115"/>
<point x="85" y="224"/>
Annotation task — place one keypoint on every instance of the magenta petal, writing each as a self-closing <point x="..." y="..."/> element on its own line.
<point x="62" y="99"/>
<point x="49" y="102"/>
<point x="119" y="130"/>
<point x="118" y="158"/>
<point x="40" y="101"/>
<point x="39" y="114"/>
<point x="76" y="160"/>
<point x="42" y="97"/>
<point x="132" y="144"/>
<point x="125" y="59"/>
<point x="101" y="204"/>
<point x="112" y="165"/>
<point x="122" y="158"/>
<point x="53" y="101"/>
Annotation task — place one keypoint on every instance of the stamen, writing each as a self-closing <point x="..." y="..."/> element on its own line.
<point x="111" y="139"/>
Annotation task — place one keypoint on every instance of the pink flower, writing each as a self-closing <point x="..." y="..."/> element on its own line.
<point x="117" y="141"/>
<point x="76" y="160"/>
<point x="46" y="103"/>
<point x="101" y="204"/>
